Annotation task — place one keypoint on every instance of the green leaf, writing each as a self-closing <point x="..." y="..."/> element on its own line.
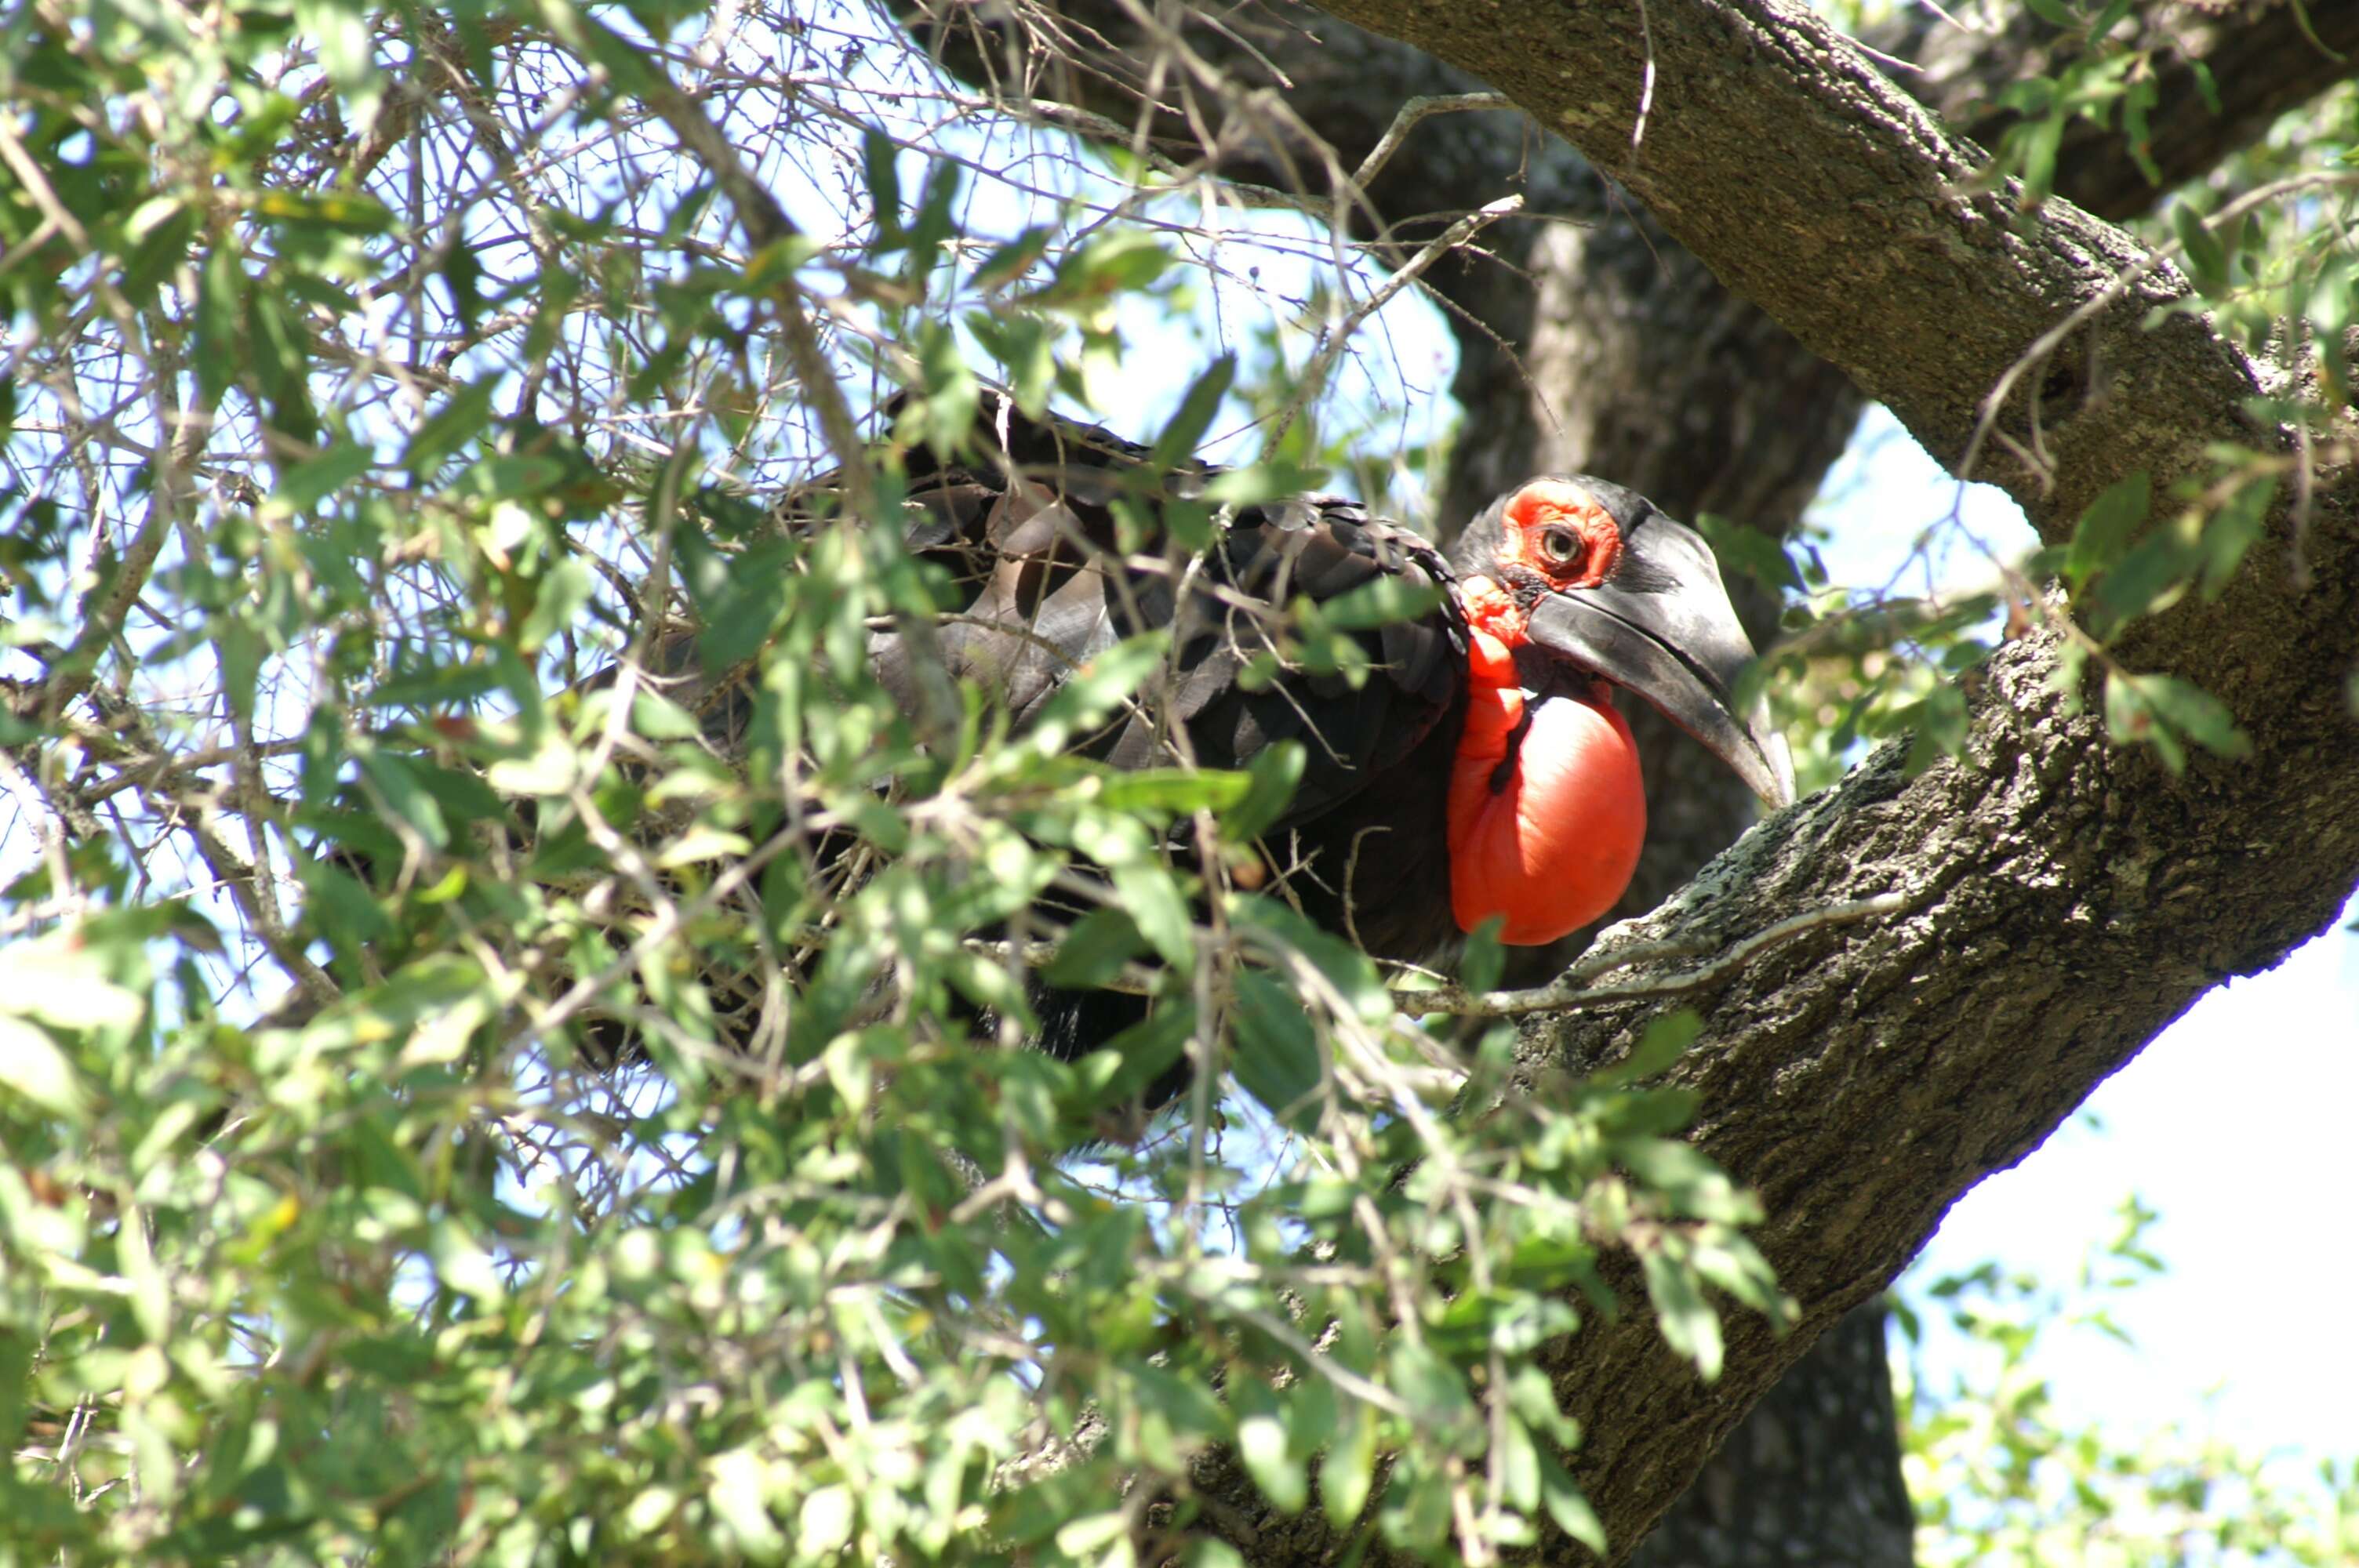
<point x="2206" y="86"/>
<point x="2036" y="145"/>
<point x="775" y="264"/>
<point x="1665" y="1039"/>
<point x="1380" y="602"/>
<point x="1271" y="776"/>
<point x="1348" y="1467"/>
<point x="434" y="686"/>
<point x="280" y="353"/>
<point x="2104" y="529"/>
<point x="2207" y="261"/>
<point x="1025" y="346"/>
<point x="1150" y="895"/>
<point x="2160" y="709"/>
<point x="397" y="777"/>
<point x="1103" y="682"/>
<point x="2232" y="531"/>
<point x="1117" y="261"/>
<point x="937" y="219"/>
<point x="1092" y="1533"/>
<point x="561" y="593"/>
<point x="1276" y="926"/>
<point x="1277" y="1055"/>
<point x="1121" y="1070"/>
<point x="1094" y="950"/>
<point x="1689" y="1324"/>
<point x="1262" y="1445"/>
<point x="2150" y="578"/>
<point x="879" y="156"/>
<point x="342" y="211"/>
<point x="1939" y="723"/>
<point x="1257" y="484"/>
<point x="1751" y="552"/>
<point x="1206" y="1552"/>
<point x="1519" y="1466"/>
<point x="31" y="1065"/>
<point x="1484" y="959"/>
<point x="824" y="1524"/>
<point x="461" y="419"/>
<point x="1187" y="426"/>
<point x="1007" y="264"/>
<point x="239" y="646"/>
<point x="952" y="396"/>
<point x="302" y="488"/>
<point x="1166" y="793"/>
<point x="220" y="344"/>
<point x="1736" y="1266"/>
<point x="464" y="1265"/>
<point x="1568" y="1507"/>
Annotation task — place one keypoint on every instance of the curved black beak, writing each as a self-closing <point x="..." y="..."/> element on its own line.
<point x="1663" y="627"/>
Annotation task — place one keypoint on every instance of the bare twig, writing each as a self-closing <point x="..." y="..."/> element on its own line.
<point x="1570" y="990"/>
<point x="1315" y="374"/>
<point x="1415" y="113"/>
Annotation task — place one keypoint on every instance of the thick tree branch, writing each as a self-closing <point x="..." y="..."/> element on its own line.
<point x="2079" y="898"/>
<point x="1641" y="367"/>
<point x="1865" y="222"/>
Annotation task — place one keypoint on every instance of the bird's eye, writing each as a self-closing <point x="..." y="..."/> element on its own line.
<point x="1559" y="544"/>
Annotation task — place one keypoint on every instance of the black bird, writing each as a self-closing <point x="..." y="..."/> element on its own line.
<point x="1480" y="768"/>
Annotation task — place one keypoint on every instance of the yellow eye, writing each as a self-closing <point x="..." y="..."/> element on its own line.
<point x="1559" y="544"/>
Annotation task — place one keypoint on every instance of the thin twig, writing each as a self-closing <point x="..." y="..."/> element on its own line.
<point x="1416" y="112"/>
<point x="1571" y="990"/>
<point x="767" y="224"/>
<point x="1315" y="374"/>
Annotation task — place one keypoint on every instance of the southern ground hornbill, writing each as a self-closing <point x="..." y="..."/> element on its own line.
<point x="1478" y="769"/>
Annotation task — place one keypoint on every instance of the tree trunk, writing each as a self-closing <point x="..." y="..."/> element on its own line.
<point x="1810" y="1476"/>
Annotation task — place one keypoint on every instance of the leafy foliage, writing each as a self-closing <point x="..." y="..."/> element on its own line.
<point x="2000" y="1476"/>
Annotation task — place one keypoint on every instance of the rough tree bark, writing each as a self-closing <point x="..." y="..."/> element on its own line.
<point x="1603" y="344"/>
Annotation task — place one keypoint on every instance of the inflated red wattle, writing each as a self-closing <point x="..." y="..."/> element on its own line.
<point x="1554" y="850"/>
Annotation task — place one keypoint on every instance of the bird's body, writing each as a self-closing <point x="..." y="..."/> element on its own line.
<point x="1463" y="760"/>
<point x="1476" y="768"/>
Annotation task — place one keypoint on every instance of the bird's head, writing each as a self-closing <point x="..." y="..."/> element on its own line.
<point x="1593" y="579"/>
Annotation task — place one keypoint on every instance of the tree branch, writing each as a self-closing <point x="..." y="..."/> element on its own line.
<point x="1867" y="222"/>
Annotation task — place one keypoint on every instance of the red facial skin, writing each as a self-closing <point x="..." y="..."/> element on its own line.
<point x="1555" y="847"/>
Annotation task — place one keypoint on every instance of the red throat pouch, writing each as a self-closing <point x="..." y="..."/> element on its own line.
<point x="1553" y="846"/>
